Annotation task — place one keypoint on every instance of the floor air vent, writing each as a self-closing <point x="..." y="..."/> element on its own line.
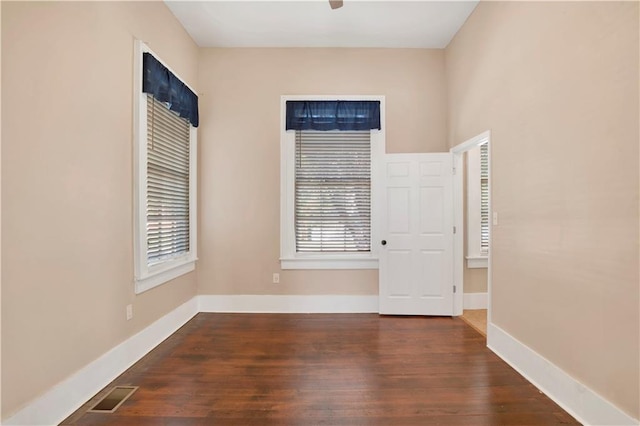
<point x="113" y="399"/>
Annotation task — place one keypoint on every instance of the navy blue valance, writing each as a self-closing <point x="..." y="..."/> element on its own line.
<point x="333" y="115"/>
<point x="158" y="81"/>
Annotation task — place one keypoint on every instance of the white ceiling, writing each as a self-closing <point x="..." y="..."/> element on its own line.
<point x="312" y="23"/>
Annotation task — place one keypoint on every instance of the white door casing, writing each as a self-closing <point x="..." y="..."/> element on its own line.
<point x="416" y="263"/>
<point x="458" y="209"/>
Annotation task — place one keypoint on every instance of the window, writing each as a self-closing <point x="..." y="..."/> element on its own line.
<point x="167" y="210"/>
<point x="328" y="196"/>
<point x="333" y="192"/>
<point x="484" y="199"/>
<point x="165" y="234"/>
<point x="478" y="206"/>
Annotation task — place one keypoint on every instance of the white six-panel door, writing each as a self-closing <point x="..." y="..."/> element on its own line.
<point x="416" y="252"/>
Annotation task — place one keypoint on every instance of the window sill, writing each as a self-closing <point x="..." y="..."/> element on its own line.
<point x="329" y="262"/>
<point x="167" y="274"/>
<point x="474" y="262"/>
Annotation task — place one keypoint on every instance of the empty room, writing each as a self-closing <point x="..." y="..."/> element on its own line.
<point x="320" y="212"/>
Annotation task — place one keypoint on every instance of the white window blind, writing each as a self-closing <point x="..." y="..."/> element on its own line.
<point x="333" y="191"/>
<point x="167" y="204"/>
<point x="484" y="198"/>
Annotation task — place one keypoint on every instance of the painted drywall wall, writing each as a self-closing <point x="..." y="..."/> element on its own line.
<point x="557" y="85"/>
<point x="475" y="280"/>
<point x="67" y="275"/>
<point x="0" y="217"/>
<point x="240" y="158"/>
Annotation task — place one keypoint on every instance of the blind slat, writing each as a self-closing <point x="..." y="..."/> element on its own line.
<point x="333" y="191"/>
<point x="484" y="198"/>
<point x="167" y="209"/>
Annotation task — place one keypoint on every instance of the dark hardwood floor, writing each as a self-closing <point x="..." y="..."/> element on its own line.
<point x="355" y="369"/>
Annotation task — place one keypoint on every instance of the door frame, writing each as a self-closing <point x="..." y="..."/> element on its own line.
<point x="458" y="221"/>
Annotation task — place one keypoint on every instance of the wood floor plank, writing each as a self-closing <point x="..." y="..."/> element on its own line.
<point x="347" y="369"/>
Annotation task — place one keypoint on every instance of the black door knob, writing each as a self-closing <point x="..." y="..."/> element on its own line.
<point x="383" y="242"/>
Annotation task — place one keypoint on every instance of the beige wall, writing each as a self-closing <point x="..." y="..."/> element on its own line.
<point x="475" y="280"/>
<point x="240" y="156"/>
<point x="557" y="85"/>
<point x="67" y="263"/>
<point x="0" y="218"/>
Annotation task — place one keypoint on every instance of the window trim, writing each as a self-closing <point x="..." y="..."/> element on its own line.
<point x="289" y="258"/>
<point x="146" y="277"/>
<point x="476" y="258"/>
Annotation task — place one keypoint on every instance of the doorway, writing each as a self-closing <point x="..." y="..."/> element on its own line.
<point x="473" y="218"/>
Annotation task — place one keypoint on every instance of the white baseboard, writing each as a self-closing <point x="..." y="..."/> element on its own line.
<point x="64" y="398"/>
<point x="584" y="404"/>
<point x="288" y="304"/>
<point x="475" y="301"/>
